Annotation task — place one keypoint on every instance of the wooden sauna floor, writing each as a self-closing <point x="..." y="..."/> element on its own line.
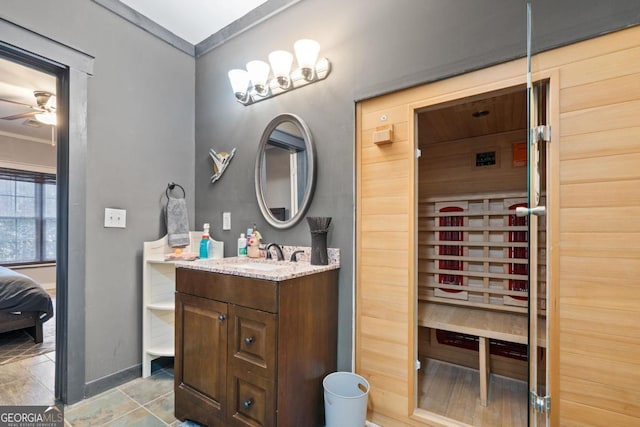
<point x="453" y="391"/>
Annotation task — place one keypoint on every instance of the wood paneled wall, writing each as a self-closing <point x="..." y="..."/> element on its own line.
<point x="594" y="207"/>
<point x="599" y="214"/>
<point x="452" y="171"/>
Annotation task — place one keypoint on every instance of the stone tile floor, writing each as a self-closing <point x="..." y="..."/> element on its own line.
<point x="28" y="381"/>
<point x="144" y="402"/>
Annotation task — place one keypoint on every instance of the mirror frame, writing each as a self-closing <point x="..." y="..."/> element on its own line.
<point x="311" y="170"/>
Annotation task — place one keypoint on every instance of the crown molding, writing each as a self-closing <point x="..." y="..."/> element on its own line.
<point x="237" y="27"/>
<point x="147" y="25"/>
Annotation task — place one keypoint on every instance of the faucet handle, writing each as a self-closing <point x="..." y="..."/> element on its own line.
<point x="267" y="251"/>
<point x="293" y="255"/>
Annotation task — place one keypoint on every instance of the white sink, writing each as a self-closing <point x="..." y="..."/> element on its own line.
<point x="259" y="266"/>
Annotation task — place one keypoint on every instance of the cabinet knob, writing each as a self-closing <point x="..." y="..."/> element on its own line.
<point x="222" y="318"/>
<point x="247" y="403"/>
<point x="248" y="340"/>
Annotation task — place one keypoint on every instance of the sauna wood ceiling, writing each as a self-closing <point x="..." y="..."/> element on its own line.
<point x="500" y="112"/>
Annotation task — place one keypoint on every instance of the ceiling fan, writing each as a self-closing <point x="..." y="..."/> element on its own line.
<point x="43" y="112"/>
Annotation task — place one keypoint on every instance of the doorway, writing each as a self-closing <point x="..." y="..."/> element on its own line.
<point x="476" y="258"/>
<point x="34" y="178"/>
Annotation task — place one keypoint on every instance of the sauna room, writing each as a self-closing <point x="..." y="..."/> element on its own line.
<point x="473" y="257"/>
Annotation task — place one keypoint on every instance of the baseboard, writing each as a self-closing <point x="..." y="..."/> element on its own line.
<point x="111" y="381"/>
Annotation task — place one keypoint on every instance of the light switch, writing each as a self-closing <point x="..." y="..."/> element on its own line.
<point x="226" y="220"/>
<point x="116" y="218"/>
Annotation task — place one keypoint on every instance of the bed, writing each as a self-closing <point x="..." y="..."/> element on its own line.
<point x="24" y="304"/>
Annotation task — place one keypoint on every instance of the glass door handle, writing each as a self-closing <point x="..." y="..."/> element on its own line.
<point x="538" y="211"/>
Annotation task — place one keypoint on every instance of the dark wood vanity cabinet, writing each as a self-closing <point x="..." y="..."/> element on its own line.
<point x="253" y="352"/>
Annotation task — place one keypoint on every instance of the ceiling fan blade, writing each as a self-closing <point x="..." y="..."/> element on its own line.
<point x="16" y="102"/>
<point x="21" y="116"/>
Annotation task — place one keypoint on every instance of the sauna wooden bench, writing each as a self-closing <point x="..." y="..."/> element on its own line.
<point x="483" y="323"/>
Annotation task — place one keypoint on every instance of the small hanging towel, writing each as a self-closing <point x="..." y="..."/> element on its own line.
<point x="177" y="219"/>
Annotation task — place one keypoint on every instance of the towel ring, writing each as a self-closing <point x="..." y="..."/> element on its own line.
<point x="173" y="185"/>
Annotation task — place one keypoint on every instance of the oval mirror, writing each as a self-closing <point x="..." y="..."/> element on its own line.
<point x="285" y="171"/>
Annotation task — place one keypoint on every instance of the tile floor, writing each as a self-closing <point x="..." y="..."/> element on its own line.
<point x="29" y="381"/>
<point x="142" y="402"/>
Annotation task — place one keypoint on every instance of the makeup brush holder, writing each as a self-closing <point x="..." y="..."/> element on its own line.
<point x="319" y="248"/>
<point x="319" y="227"/>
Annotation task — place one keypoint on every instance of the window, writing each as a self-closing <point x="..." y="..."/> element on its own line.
<point x="27" y="217"/>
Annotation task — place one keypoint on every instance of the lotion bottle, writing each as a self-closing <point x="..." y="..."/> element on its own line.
<point x="242" y="245"/>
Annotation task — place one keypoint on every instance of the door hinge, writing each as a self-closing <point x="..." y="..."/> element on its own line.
<point x="418" y="153"/>
<point x="418" y="365"/>
<point x="541" y="133"/>
<point x="540" y="404"/>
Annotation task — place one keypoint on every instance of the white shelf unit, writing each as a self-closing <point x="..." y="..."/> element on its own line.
<point x="158" y="299"/>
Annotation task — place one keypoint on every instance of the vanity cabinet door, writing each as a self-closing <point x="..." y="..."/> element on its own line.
<point x="252" y="341"/>
<point x="201" y="359"/>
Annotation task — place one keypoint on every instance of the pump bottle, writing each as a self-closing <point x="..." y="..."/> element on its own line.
<point x="204" y="243"/>
<point x="242" y="245"/>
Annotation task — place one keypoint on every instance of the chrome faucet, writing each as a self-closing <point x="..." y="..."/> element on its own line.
<point x="279" y="253"/>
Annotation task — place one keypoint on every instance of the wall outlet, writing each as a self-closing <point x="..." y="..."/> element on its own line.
<point x="226" y="220"/>
<point x="116" y="218"/>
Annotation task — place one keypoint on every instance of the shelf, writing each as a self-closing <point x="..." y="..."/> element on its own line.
<point x="158" y="299"/>
<point x="161" y="351"/>
<point x="162" y="306"/>
<point x="159" y="260"/>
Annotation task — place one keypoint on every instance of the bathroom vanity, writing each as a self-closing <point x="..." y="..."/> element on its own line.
<point x="254" y="339"/>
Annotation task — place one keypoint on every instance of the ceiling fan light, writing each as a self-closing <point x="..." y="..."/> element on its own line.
<point x="47" y="118"/>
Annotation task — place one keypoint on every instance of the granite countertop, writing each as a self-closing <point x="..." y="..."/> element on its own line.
<point x="259" y="268"/>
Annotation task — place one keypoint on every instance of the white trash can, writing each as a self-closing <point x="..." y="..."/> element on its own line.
<point x="345" y="399"/>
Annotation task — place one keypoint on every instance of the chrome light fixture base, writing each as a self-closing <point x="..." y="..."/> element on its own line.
<point x="298" y="78"/>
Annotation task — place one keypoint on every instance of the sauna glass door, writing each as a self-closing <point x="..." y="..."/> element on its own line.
<point x="536" y="216"/>
<point x="538" y="139"/>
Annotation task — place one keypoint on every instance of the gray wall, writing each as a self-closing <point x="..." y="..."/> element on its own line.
<point x="140" y="136"/>
<point x="375" y="46"/>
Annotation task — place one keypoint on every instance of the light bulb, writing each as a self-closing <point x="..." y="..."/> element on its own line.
<point x="239" y="84"/>
<point x="47" y="118"/>
<point x="259" y="73"/>
<point x="281" y="61"/>
<point x="307" y="53"/>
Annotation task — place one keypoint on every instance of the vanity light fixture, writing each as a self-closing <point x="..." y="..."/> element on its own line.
<point x="253" y="84"/>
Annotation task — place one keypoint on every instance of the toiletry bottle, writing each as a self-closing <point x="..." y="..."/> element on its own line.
<point x="253" y="244"/>
<point x="204" y="243"/>
<point x="242" y="245"/>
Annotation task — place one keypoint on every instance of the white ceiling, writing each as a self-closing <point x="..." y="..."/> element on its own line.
<point x="193" y="20"/>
